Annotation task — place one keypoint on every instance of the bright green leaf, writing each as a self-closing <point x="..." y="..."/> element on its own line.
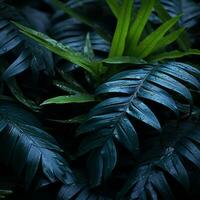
<point x="124" y="60"/>
<point x="121" y="31"/>
<point x="78" y="98"/>
<point x="88" y="50"/>
<point x="58" y="48"/>
<point x="174" y="54"/>
<point x="114" y="7"/>
<point x="164" y="15"/>
<point x="148" y="44"/>
<point x="168" y="39"/>
<point x="137" y="28"/>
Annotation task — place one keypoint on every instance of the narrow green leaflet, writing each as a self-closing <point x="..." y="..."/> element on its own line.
<point x="174" y="54"/>
<point x="88" y="50"/>
<point x="148" y="44"/>
<point x="137" y="28"/>
<point x="124" y="60"/>
<point x="114" y="7"/>
<point x="58" y="48"/>
<point x="66" y="87"/>
<point x="78" y="98"/>
<point x="168" y="39"/>
<point x="163" y="14"/>
<point x="83" y="19"/>
<point x="71" y="83"/>
<point x="121" y="31"/>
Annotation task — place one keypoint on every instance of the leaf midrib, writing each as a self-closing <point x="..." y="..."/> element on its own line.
<point x="133" y="96"/>
<point x="34" y="142"/>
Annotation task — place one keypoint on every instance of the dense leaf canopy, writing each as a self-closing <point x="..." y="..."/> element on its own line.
<point x="99" y="99"/>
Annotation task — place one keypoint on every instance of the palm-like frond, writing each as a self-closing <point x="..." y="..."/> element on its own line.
<point x="150" y="179"/>
<point x="188" y="8"/>
<point x="75" y="4"/>
<point x="85" y="14"/>
<point x="27" y="147"/>
<point x="112" y="118"/>
<point x="72" y="33"/>
<point x="78" y="192"/>
<point x="146" y="181"/>
<point x="30" y="54"/>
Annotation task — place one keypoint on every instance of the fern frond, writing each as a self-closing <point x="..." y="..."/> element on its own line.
<point x="30" y="53"/>
<point x="26" y="147"/>
<point x="150" y="179"/>
<point x="126" y="91"/>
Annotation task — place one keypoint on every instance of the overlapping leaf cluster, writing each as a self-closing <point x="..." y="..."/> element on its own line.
<point x="129" y="96"/>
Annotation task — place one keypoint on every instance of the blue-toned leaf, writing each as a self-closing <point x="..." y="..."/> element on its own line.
<point x="18" y="66"/>
<point x="35" y="151"/>
<point x="101" y="162"/>
<point x="124" y="95"/>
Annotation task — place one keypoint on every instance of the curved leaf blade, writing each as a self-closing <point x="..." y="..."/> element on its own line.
<point x="77" y="98"/>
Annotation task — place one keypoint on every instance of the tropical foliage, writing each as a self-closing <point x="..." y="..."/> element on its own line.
<point x="99" y="99"/>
